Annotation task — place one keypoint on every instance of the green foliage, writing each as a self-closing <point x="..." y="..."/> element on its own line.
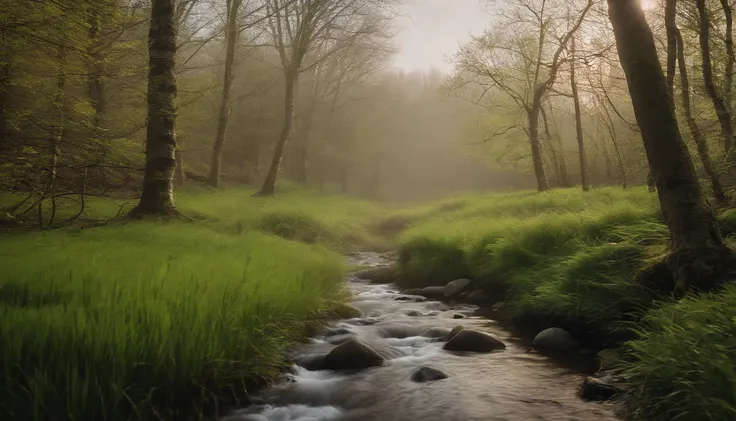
<point x="117" y="322"/>
<point x="682" y="365"/>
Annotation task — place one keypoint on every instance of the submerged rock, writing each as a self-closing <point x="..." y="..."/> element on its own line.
<point x="456" y="287"/>
<point x="478" y="297"/>
<point x="413" y="313"/>
<point x="379" y="275"/>
<point x="555" y="339"/>
<point x="458" y="316"/>
<point x="337" y="331"/>
<point x="433" y="292"/>
<point x="598" y="390"/>
<point x="473" y="341"/>
<point x="352" y="355"/>
<point x="311" y="362"/>
<point x="454" y="331"/>
<point x="427" y="374"/>
<point x="436" y="333"/>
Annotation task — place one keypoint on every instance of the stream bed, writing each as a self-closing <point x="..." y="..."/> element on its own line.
<point x="512" y="384"/>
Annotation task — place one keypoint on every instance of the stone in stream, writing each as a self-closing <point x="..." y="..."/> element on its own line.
<point x="456" y="287"/>
<point x="427" y="374"/>
<point x="440" y="333"/>
<point x="555" y="339"/>
<point x="486" y="312"/>
<point x="352" y="355"/>
<point x="399" y="331"/>
<point x="597" y="390"/>
<point x="413" y="291"/>
<point x="458" y="316"/>
<point x="312" y="362"/>
<point x="473" y="341"/>
<point x="413" y="313"/>
<point x="337" y="331"/>
<point x="454" y="331"/>
<point x="478" y="297"/>
<point x="433" y="292"/>
<point x="379" y="275"/>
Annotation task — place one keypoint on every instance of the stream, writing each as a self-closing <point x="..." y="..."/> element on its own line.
<point x="512" y="384"/>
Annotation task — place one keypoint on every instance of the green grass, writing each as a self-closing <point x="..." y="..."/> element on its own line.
<point x="586" y="262"/>
<point x="139" y="320"/>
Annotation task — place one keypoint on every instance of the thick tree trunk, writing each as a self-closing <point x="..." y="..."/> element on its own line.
<point x="578" y="121"/>
<point x="5" y="78"/>
<point x="552" y="148"/>
<point x="269" y="183"/>
<point x="670" y="14"/>
<point x="698" y="255"/>
<point x="157" y="197"/>
<point x="701" y="142"/>
<point x="231" y="31"/>
<point x="180" y="177"/>
<point x="536" y="148"/>
<point x="719" y="102"/>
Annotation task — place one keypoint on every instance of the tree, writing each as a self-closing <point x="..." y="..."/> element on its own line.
<point x="697" y="254"/>
<point x="578" y="120"/>
<point x="519" y="61"/>
<point x="720" y="104"/>
<point x="699" y="138"/>
<point x="157" y="197"/>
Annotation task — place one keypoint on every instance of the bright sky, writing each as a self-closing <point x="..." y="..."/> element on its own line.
<point x="432" y="30"/>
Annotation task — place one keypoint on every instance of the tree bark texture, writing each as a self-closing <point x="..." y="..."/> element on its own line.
<point x="157" y="197"/>
<point x="697" y="255"/>
<point x="719" y="102"/>
<point x="231" y="37"/>
<point x="536" y="147"/>
<point x="578" y="121"/>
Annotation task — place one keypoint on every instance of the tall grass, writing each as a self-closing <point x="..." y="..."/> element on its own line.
<point x="145" y="320"/>
<point x="576" y="260"/>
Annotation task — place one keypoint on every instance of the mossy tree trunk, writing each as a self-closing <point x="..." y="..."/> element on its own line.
<point x="157" y="197"/>
<point x="697" y="255"/>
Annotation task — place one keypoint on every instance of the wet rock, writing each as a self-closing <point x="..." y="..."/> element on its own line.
<point x="454" y="331"/>
<point x="456" y="287"/>
<point x="478" y="297"/>
<point x="311" y="362"/>
<point x="458" y="316"/>
<point x="379" y="275"/>
<point x="597" y="390"/>
<point x="370" y="321"/>
<point x="437" y="306"/>
<point x="436" y="333"/>
<point x="362" y="322"/>
<point x="404" y="298"/>
<point x="337" y="331"/>
<point x="352" y="355"/>
<point x="413" y="291"/>
<point x="339" y="339"/>
<point x="498" y="306"/>
<point x="344" y="311"/>
<point x="433" y="292"/>
<point x="413" y="313"/>
<point x="399" y="331"/>
<point x="427" y="374"/>
<point x="473" y="341"/>
<point x="555" y="339"/>
<point x="463" y="296"/>
<point x="486" y="312"/>
<point x="419" y="299"/>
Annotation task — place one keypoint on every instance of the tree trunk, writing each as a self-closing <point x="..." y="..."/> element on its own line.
<point x="180" y="177"/>
<point x="537" y="159"/>
<point x="5" y="75"/>
<point x="670" y="14"/>
<point x="552" y="149"/>
<point x="269" y="184"/>
<point x="719" y="103"/>
<point x="698" y="256"/>
<point x="614" y="141"/>
<point x="157" y="197"/>
<point x="578" y="121"/>
<point x="95" y="87"/>
<point x="564" y="175"/>
<point x="231" y="35"/>
<point x="700" y="141"/>
<point x="728" y="89"/>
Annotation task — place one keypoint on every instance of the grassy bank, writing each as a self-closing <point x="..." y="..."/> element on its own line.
<point x="139" y="320"/>
<point x="585" y="262"/>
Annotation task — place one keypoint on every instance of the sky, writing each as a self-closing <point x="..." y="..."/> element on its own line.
<point x="430" y="31"/>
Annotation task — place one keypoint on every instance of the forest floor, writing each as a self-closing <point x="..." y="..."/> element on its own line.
<point x="134" y="317"/>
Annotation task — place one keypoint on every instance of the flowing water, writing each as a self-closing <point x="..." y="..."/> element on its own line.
<point x="514" y="384"/>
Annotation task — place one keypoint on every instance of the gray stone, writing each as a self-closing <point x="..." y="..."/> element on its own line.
<point x="454" y="331"/>
<point x="473" y="341"/>
<point x="433" y="292"/>
<point x="456" y="287"/>
<point x="478" y="297"/>
<point x="311" y="362"/>
<point x="458" y="316"/>
<point x="555" y="339"/>
<point x="436" y="333"/>
<point x="379" y="275"/>
<point x="352" y="355"/>
<point x="337" y="331"/>
<point x="413" y="313"/>
<point x="427" y="374"/>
